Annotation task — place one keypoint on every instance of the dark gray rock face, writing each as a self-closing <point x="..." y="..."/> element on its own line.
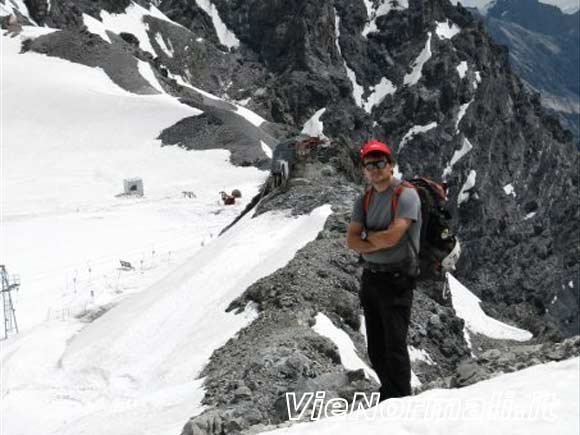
<point x="192" y="17"/>
<point x="296" y="43"/>
<point x="118" y="60"/>
<point x="544" y="51"/>
<point x="218" y="128"/>
<point x="38" y="10"/>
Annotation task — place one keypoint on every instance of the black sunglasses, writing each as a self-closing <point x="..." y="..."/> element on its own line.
<point x="380" y="164"/>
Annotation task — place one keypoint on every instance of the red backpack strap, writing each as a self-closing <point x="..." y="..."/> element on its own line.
<point x="367" y="199"/>
<point x="397" y="194"/>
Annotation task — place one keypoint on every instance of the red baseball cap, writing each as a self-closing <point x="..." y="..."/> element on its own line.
<point x="374" y="146"/>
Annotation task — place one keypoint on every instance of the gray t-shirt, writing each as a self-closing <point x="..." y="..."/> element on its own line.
<point x="379" y="218"/>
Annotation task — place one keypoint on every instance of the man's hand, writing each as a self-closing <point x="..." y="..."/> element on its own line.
<point x="391" y="236"/>
<point x="354" y="241"/>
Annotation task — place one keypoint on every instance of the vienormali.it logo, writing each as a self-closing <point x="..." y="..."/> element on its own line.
<point x="502" y="405"/>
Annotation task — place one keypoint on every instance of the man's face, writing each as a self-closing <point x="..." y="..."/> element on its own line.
<point x="377" y="169"/>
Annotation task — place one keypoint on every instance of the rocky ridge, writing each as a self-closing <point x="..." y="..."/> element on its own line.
<point x="246" y="380"/>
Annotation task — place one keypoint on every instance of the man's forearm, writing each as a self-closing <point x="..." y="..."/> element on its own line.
<point x="361" y="246"/>
<point x="390" y="237"/>
<point x="385" y="239"/>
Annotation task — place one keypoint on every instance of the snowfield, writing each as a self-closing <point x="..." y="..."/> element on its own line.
<point x="348" y="356"/>
<point x="467" y="307"/>
<point x="134" y="370"/>
<point x="70" y="137"/>
<point x="64" y="230"/>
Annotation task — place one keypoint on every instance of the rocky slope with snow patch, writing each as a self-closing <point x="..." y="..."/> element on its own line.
<point x="308" y="334"/>
<point x="284" y="350"/>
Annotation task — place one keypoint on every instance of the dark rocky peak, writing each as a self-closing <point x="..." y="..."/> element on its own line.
<point x="430" y="81"/>
<point x="295" y="35"/>
<point x="535" y="16"/>
<point x="544" y="52"/>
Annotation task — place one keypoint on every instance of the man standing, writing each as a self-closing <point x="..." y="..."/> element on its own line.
<point x="388" y="279"/>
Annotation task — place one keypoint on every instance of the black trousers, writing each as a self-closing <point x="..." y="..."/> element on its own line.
<point x="386" y="299"/>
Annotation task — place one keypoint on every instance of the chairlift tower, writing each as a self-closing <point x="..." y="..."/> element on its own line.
<point x="10" y="324"/>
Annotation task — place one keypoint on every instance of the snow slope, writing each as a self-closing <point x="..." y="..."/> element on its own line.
<point x="63" y="163"/>
<point x="464" y="193"/>
<point x="225" y="35"/>
<point x="415" y="75"/>
<point x="186" y="305"/>
<point x="467" y="307"/>
<point x="314" y="126"/>
<point x="447" y="29"/>
<point x="378" y="93"/>
<point x="378" y="9"/>
<point x="357" y="90"/>
<point x="415" y="130"/>
<point x="133" y="370"/>
<point x="348" y="356"/>
<point x="534" y="401"/>
<point x="130" y="21"/>
<point x="70" y="136"/>
<point x="64" y="230"/>
<point x="457" y="155"/>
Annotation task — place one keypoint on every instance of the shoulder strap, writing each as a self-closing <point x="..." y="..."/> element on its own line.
<point x="367" y="199"/>
<point x="395" y="203"/>
<point x="394" y="199"/>
<point x="397" y="194"/>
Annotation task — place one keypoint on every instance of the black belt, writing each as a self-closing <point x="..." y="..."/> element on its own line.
<point x="400" y="266"/>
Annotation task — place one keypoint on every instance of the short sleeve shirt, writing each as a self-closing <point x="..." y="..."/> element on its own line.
<point x="379" y="218"/>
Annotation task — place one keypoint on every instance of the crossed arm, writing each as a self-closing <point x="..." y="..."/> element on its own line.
<point x="376" y="240"/>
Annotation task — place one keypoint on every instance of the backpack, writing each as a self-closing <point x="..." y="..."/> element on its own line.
<point x="440" y="249"/>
